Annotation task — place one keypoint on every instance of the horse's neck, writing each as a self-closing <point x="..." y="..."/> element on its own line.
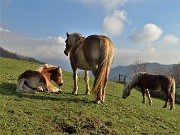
<point x="47" y="74"/>
<point x="79" y="42"/>
<point x="132" y="86"/>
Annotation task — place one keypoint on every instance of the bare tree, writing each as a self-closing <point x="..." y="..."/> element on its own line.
<point x="175" y="72"/>
<point x="139" y="65"/>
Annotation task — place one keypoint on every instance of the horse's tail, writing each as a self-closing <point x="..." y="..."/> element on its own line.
<point x="102" y="71"/>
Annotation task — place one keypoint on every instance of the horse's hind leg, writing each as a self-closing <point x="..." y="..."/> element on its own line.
<point x="20" y="85"/>
<point x="86" y="78"/>
<point x="75" y="77"/>
<point x="172" y="100"/>
<point x="105" y="84"/>
<point x="28" y="89"/>
<point x="99" y="96"/>
<point x="167" y="99"/>
<point x="148" y="95"/>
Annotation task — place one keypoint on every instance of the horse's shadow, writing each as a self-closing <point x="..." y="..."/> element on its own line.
<point x="9" y="89"/>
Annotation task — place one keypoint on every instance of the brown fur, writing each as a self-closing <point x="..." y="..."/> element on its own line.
<point x="33" y="81"/>
<point x="152" y="82"/>
<point x="95" y="53"/>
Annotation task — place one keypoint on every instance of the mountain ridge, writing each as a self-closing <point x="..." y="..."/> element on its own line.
<point x="13" y="55"/>
<point x="153" y="68"/>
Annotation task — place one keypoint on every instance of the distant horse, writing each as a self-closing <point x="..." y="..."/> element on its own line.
<point x="35" y="81"/>
<point x="95" y="53"/>
<point x="152" y="82"/>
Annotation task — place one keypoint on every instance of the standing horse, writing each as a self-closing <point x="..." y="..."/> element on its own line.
<point x="148" y="82"/>
<point x="40" y="80"/>
<point x="95" y="53"/>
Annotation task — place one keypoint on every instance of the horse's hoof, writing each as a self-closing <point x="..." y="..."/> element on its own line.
<point x="59" y="92"/>
<point x="97" y="102"/>
<point x="74" y="93"/>
<point x="87" y="93"/>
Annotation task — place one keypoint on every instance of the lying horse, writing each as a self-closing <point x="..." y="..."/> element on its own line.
<point x="95" y="53"/>
<point x="152" y="82"/>
<point x="35" y="81"/>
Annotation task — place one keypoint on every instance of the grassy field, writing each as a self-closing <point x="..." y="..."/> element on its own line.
<point x="62" y="114"/>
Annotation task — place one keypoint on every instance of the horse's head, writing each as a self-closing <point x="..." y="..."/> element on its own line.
<point x="131" y="84"/>
<point x="70" y="41"/>
<point x="126" y="91"/>
<point x="57" y="76"/>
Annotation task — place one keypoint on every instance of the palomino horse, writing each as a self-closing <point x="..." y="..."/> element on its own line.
<point x="152" y="82"/>
<point x="40" y="80"/>
<point x="95" y="53"/>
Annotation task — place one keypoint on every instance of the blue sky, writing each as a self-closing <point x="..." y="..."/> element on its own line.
<point x="139" y="29"/>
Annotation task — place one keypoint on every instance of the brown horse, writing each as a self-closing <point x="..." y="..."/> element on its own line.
<point x="35" y="81"/>
<point x="152" y="82"/>
<point x="95" y="53"/>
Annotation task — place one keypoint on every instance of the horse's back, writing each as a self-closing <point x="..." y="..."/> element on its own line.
<point x="32" y="77"/>
<point x="156" y="82"/>
<point x="28" y="74"/>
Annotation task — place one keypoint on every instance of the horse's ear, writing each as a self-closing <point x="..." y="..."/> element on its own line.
<point x="67" y="34"/>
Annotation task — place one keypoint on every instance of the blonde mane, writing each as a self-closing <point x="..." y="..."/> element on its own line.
<point x="45" y="66"/>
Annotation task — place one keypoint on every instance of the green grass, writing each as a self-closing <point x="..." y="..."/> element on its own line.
<point x="56" y="114"/>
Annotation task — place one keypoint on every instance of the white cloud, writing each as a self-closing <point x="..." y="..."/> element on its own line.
<point x="4" y="30"/>
<point x="49" y="50"/>
<point x="150" y="33"/>
<point x="171" y="39"/>
<point x="113" y="24"/>
<point x="126" y="56"/>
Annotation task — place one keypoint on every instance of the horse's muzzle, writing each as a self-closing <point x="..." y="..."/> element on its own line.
<point x="60" y="84"/>
<point x="124" y="97"/>
<point x="65" y="53"/>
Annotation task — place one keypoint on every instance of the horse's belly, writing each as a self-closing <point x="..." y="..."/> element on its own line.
<point x="81" y="62"/>
<point x="33" y="82"/>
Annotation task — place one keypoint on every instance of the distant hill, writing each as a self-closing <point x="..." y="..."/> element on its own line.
<point x="7" y="54"/>
<point x="127" y="70"/>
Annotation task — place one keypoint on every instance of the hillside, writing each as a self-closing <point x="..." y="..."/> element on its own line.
<point x="47" y="113"/>
<point x="7" y="54"/>
<point x="126" y="70"/>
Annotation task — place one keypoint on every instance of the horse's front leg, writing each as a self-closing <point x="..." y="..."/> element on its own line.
<point x="53" y="89"/>
<point x="172" y="101"/>
<point x="144" y="96"/>
<point x="148" y="95"/>
<point x="86" y="78"/>
<point x="75" y="77"/>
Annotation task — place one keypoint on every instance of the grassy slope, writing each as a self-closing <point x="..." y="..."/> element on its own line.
<point x="44" y="113"/>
